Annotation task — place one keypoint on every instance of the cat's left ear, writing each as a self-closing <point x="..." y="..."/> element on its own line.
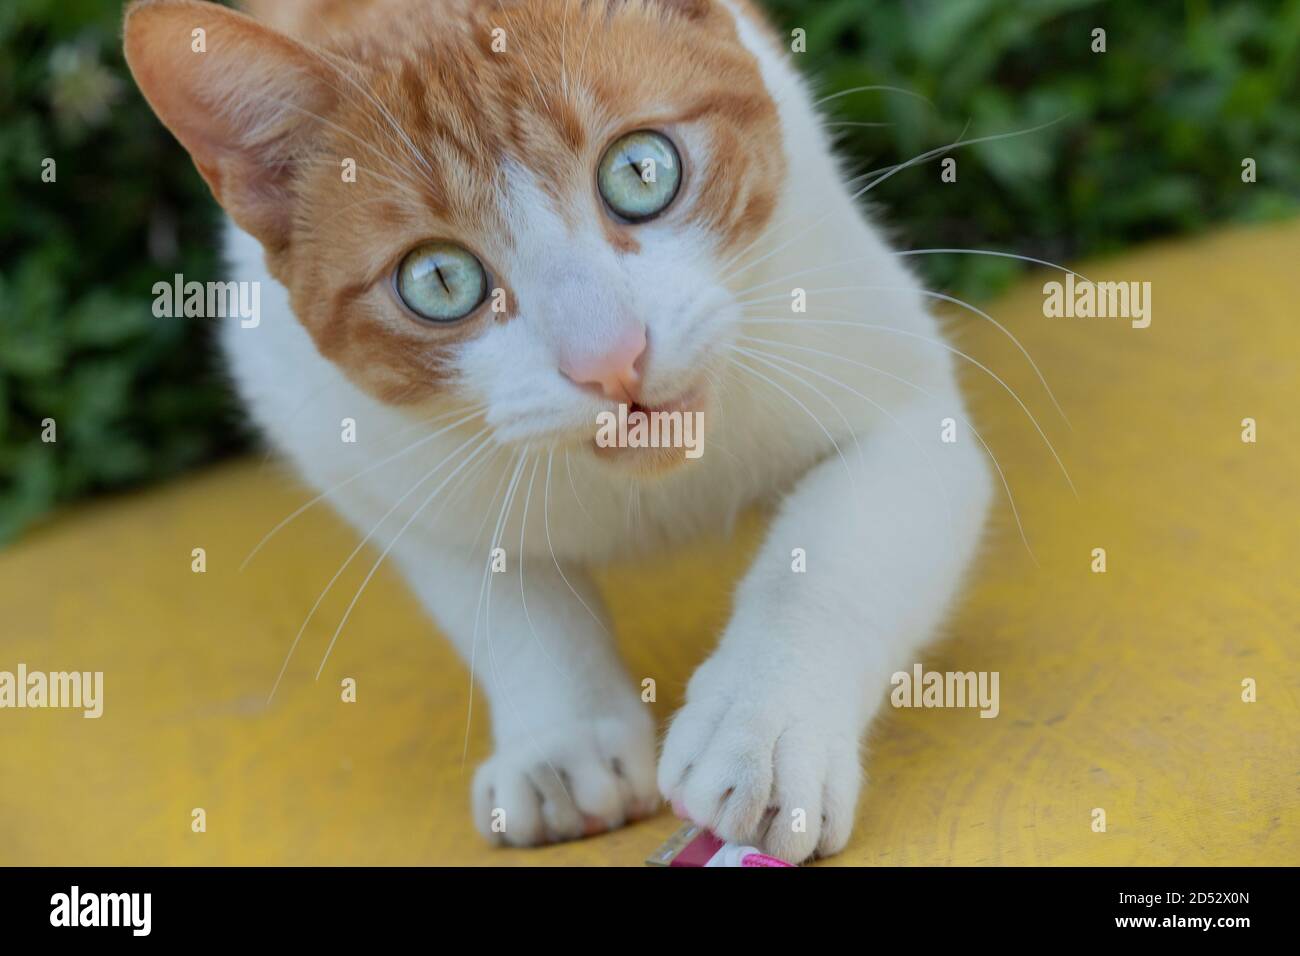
<point x="244" y="99"/>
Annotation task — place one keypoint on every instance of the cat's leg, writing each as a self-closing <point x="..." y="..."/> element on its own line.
<point x="574" y="744"/>
<point x="768" y="739"/>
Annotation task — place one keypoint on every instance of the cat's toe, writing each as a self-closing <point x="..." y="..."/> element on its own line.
<point x="566" y="783"/>
<point x="763" y="775"/>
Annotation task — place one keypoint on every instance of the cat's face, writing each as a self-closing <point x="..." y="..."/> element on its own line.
<point x="546" y="192"/>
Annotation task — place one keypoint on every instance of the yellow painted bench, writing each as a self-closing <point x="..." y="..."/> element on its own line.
<point x="1120" y="691"/>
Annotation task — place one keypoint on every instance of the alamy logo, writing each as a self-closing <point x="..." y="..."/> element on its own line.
<point x="651" y="429"/>
<point x="923" y="688"/>
<point x="74" y="690"/>
<point x="208" y="300"/>
<point x="1086" y="299"/>
<point x="134" y="910"/>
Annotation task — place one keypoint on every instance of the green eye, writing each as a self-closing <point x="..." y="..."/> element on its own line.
<point x="441" y="282"/>
<point x="639" y="175"/>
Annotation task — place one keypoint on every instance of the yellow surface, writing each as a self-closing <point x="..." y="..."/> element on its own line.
<point x="1119" y="690"/>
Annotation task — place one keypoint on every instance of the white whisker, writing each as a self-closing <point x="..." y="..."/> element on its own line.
<point x="990" y="252"/>
<point x="380" y="560"/>
<point x="357" y="550"/>
<point x="943" y="485"/>
<point x="507" y="509"/>
<point x="347" y="133"/>
<point x="943" y="298"/>
<point x="848" y="426"/>
<point x="523" y="594"/>
<point x="1015" y="512"/>
<point x="787" y="394"/>
<point x="872" y="89"/>
<point x="473" y="648"/>
<point x="379" y="464"/>
<point x="546" y="521"/>
<point x="855" y="124"/>
<point x="485" y="584"/>
<point x="528" y="63"/>
<point x="574" y="488"/>
<point x="411" y="148"/>
<point x="978" y="364"/>
<point x="857" y="194"/>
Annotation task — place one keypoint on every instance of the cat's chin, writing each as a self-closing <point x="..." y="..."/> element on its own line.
<point x="642" y="462"/>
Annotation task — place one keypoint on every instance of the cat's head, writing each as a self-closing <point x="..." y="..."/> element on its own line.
<point x="522" y="205"/>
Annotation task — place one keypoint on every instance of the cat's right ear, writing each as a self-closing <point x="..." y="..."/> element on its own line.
<point x="244" y="99"/>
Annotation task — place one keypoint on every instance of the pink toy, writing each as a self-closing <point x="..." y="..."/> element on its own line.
<point x="695" y="846"/>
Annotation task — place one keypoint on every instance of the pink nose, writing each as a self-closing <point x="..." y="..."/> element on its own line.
<point x="613" y="370"/>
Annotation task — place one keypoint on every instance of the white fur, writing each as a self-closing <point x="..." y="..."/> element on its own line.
<point x="889" y="521"/>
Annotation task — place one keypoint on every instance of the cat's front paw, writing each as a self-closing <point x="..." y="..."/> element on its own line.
<point x="568" y="781"/>
<point x="778" y="771"/>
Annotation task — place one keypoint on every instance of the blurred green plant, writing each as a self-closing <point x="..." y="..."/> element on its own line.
<point x="1150" y="139"/>
<point x="132" y="397"/>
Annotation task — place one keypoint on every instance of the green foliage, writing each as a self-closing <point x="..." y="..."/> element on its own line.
<point x="133" y="396"/>
<point x="1150" y="134"/>
<point x="1148" y="141"/>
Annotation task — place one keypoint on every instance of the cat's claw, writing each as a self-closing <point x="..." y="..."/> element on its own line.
<point x="567" y="782"/>
<point x="761" y="772"/>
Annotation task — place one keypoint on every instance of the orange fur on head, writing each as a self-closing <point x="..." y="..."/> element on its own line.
<point x="414" y="93"/>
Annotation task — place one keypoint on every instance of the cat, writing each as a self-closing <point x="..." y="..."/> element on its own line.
<point x="480" y="225"/>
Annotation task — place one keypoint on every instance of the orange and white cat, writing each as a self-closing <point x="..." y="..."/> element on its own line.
<point x="480" y="225"/>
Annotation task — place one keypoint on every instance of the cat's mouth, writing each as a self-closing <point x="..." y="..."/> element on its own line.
<point x="690" y="400"/>
<point x="653" y="438"/>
